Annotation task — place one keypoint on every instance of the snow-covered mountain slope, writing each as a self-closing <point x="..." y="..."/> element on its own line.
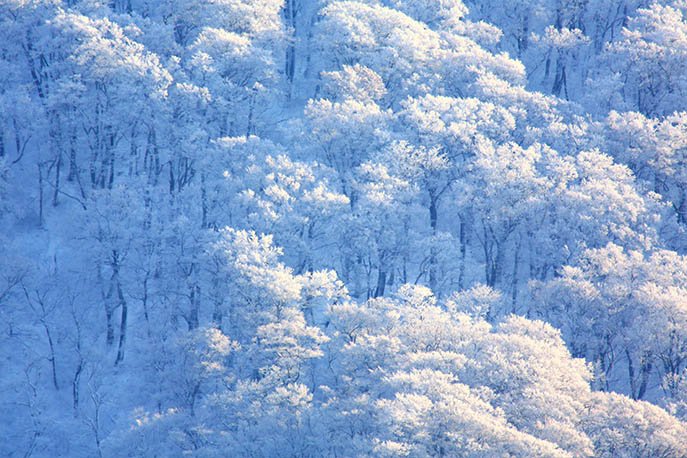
<point x="343" y="228"/>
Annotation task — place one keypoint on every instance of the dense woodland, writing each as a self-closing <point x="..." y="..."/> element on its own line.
<point x="308" y="228"/>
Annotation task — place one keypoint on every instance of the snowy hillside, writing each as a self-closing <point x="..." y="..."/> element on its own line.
<point x="313" y="228"/>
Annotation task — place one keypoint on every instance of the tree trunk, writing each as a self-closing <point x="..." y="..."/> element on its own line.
<point x="203" y="202"/>
<point x="109" y="339"/>
<point x="194" y="312"/>
<point x="40" y="194"/>
<point x="559" y="82"/>
<point x="122" y="324"/>
<point x="645" y="372"/>
<point x="631" y="374"/>
<point x="144" y="301"/>
<point x="682" y="208"/>
<point x="111" y="165"/>
<point x="75" y="387"/>
<point x="53" y="363"/>
<point x="73" y="168"/>
<point x="433" y="217"/>
<point x="381" y="282"/>
<point x="463" y="250"/>
<point x="523" y="39"/>
<point x="514" y="280"/>
<point x="487" y="249"/>
<point x="171" y="177"/>
<point x="58" y="168"/>
<point x="251" y="109"/>
<point x="290" y="12"/>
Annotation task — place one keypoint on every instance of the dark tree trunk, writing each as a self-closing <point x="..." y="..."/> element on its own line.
<point x="75" y="387"/>
<point x="53" y="362"/>
<point x="58" y="169"/>
<point x="122" y="324"/>
<point x="463" y="250"/>
<point x="514" y="280"/>
<point x="290" y="12"/>
<point x="40" y="194"/>
<point x="194" y="312"/>
<point x="381" y="283"/>
<point x="433" y="218"/>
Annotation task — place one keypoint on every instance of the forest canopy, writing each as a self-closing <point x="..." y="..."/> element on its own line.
<point x="309" y="228"/>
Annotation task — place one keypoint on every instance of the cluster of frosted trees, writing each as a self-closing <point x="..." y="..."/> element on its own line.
<point x="343" y="228"/>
